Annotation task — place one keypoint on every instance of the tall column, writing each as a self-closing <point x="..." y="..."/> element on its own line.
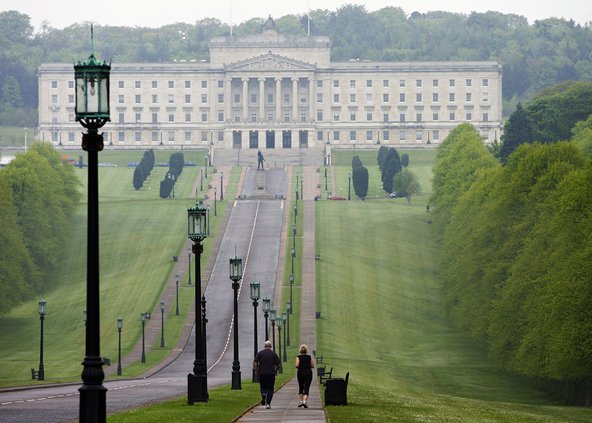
<point x="278" y="99"/>
<point x="245" y="99"/>
<point x="228" y="99"/>
<point x="261" y="99"/>
<point x="295" y="99"/>
<point x="311" y="99"/>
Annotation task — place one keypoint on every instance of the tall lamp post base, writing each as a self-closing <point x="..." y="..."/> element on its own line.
<point x="197" y="388"/>
<point x="93" y="403"/>
<point x="236" y="380"/>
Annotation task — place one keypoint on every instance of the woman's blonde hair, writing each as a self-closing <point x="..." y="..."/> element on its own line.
<point x="303" y="349"/>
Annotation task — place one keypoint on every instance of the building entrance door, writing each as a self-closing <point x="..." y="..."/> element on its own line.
<point x="270" y="139"/>
<point x="287" y="139"/>
<point x="303" y="139"/>
<point x="253" y="139"/>
<point x="237" y="137"/>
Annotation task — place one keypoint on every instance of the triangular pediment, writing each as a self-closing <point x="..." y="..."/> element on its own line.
<point x="270" y="61"/>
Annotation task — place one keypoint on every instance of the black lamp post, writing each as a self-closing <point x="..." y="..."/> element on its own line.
<point x="236" y="274"/>
<point x="295" y="212"/>
<point x="197" y="382"/>
<point x="119" y="328"/>
<point x="162" y="324"/>
<point x="302" y="187"/>
<point x="189" y="266"/>
<point x="326" y="189"/>
<point x="215" y="209"/>
<point x="42" y="308"/>
<point x="293" y="255"/>
<point x="266" y="307"/>
<point x="349" y="186"/>
<point x="92" y="111"/>
<point x="143" y="317"/>
<point x="294" y="236"/>
<point x="206" y="161"/>
<point x="255" y="290"/>
<point x="204" y="320"/>
<point x="284" y="318"/>
<point x="291" y="286"/>
<point x="273" y="317"/>
<point x="201" y="179"/>
<point x="279" y="327"/>
<point x="177" y="292"/>
<point x="221" y="186"/>
<point x="288" y="312"/>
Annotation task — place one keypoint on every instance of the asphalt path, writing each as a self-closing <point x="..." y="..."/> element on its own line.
<point x="253" y="233"/>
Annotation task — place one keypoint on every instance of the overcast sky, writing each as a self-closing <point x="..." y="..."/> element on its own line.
<point x="156" y="13"/>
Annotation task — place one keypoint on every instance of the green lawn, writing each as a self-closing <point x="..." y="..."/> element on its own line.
<point x="139" y="235"/>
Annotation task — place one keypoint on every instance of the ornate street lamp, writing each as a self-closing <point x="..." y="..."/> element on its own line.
<point x="189" y="266"/>
<point x="326" y="189"/>
<point x="293" y="256"/>
<point x="291" y="286"/>
<point x="266" y="306"/>
<point x="294" y="236"/>
<point x="236" y="274"/>
<point x="279" y="327"/>
<point x="42" y="309"/>
<point x="92" y="111"/>
<point x="255" y="295"/>
<point x="288" y="312"/>
<point x="119" y="328"/>
<point x="177" y="291"/>
<point x="273" y="317"/>
<point x="143" y="318"/>
<point x="349" y="186"/>
<point x="283" y="319"/>
<point x="201" y="179"/>
<point x="221" y="186"/>
<point x="215" y="208"/>
<point x="162" y="324"/>
<point x="197" y="231"/>
<point x="302" y="187"/>
<point x="206" y="163"/>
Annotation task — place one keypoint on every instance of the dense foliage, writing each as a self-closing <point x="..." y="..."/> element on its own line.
<point x="360" y="177"/>
<point x="38" y="194"/>
<point x="143" y="169"/>
<point x="534" y="56"/>
<point x="517" y="251"/>
<point x="389" y="164"/>
<point x="167" y="185"/>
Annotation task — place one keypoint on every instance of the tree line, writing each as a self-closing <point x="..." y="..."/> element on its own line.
<point x="38" y="195"/>
<point x="534" y="56"/>
<point x="516" y="253"/>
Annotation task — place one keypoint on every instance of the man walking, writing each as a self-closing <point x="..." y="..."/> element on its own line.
<point x="260" y="160"/>
<point x="266" y="364"/>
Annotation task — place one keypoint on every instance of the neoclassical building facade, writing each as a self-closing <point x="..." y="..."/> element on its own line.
<point x="274" y="91"/>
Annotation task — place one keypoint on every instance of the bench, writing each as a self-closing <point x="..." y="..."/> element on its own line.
<point x="325" y="374"/>
<point x="106" y="361"/>
<point x="336" y="391"/>
<point x="34" y="374"/>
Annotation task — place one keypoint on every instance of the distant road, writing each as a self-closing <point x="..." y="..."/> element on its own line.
<point x="253" y="231"/>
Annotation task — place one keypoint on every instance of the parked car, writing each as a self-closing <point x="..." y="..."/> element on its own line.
<point x="395" y="194"/>
<point x="336" y="197"/>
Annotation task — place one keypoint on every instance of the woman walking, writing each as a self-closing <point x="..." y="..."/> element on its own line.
<point x="304" y="364"/>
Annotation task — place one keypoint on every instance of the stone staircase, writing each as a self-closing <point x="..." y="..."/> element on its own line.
<point x="273" y="158"/>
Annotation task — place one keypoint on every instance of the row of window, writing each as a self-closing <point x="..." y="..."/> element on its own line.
<point x="336" y="83"/>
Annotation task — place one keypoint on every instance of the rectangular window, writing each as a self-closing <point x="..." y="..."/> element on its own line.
<point x="435" y="97"/>
<point x="171" y="136"/>
<point x="154" y="84"/>
<point x="368" y="83"/>
<point x="319" y="97"/>
<point x="368" y="135"/>
<point x="171" y="84"/>
<point x="54" y="84"/>
<point x="418" y="135"/>
<point x="220" y="84"/>
<point x="352" y="116"/>
<point x="418" y="117"/>
<point x="352" y="98"/>
<point x="402" y="83"/>
<point x="303" y="117"/>
<point x="154" y="99"/>
<point x="469" y="82"/>
<point x="469" y="116"/>
<point x="452" y="116"/>
<point x="451" y="97"/>
<point x="385" y="98"/>
<point x="187" y="98"/>
<point x="386" y="135"/>
<point x="171" y="117"/>
<point x="204" y="84"/>
<point x="286" y="117"/>
<point x="121" y="98"/>
<point x="335" y="98"/>
<point x="402" y="134"/>
<point x="336" y="83"/>
<point x="418" y="83"/>
<point x="187" y="133"/>
<point x="302" y="100"/>
<point x="435" y="116"/>
<point x="253" y="98"/>
<point x="71" y="98"/>
<point x="485" y="82"/>
<point x="319" y="115"/>
<point x="287" y="98"/>
<point x="253" y="117"/>
<point x="154" y="136"/>
<point x="220" y="98"/>
<point x="71" y="136"/>
<point x="237" y="119"/>
<point x="171" y="98"/>
<point x="121" y="136"/>
<point x="418" y="98"/>
<point x="336" y="135"/>
<point x="436" y="134"/>
<point x="120" y="84"/>
<point x="485" y="117"/>
<point x="402" y="98"/>
<point x="138" y="98"/>
<point x="220" y="135"/>
<point x="121" y="117"/>
<point x="469" y="97"/>
<point x="385" y="117"/>
<point x="138" y="136"/>
<point x="204" y="117"/>
<point x="204" y="98"/>
<point x="237" y="98"/>
<point x="319" y="83"/>
<point x="70" y="84"/>
<point x="187" y="117"/>
<point x="385" y="83"/>
<point x="352" y="135"/>
<point x="154" y="117"/>
<point x="204" y="136"/>
<point x="187" y="84"/>
<point x="452" y="82"/>
<point x="336" y="117"/>
<point x="368" y="116"/>
<point x="368" y="98"/>
<point x="138" y="117"/>
<point x="434" y="83"/>
<point x="220" y="116"/>
<point x="138" y="84"/>
<point x="270" y="116"/>
<point x="402" y="117"/>
<point x="352" y="83"/>
<point x="319" y="135"/>
<point x="270" y="98"/>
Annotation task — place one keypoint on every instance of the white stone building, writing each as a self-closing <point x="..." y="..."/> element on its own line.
<point x="274" y="91"/>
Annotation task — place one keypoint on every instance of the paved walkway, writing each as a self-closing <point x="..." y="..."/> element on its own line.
<point x="284" y="407"/>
